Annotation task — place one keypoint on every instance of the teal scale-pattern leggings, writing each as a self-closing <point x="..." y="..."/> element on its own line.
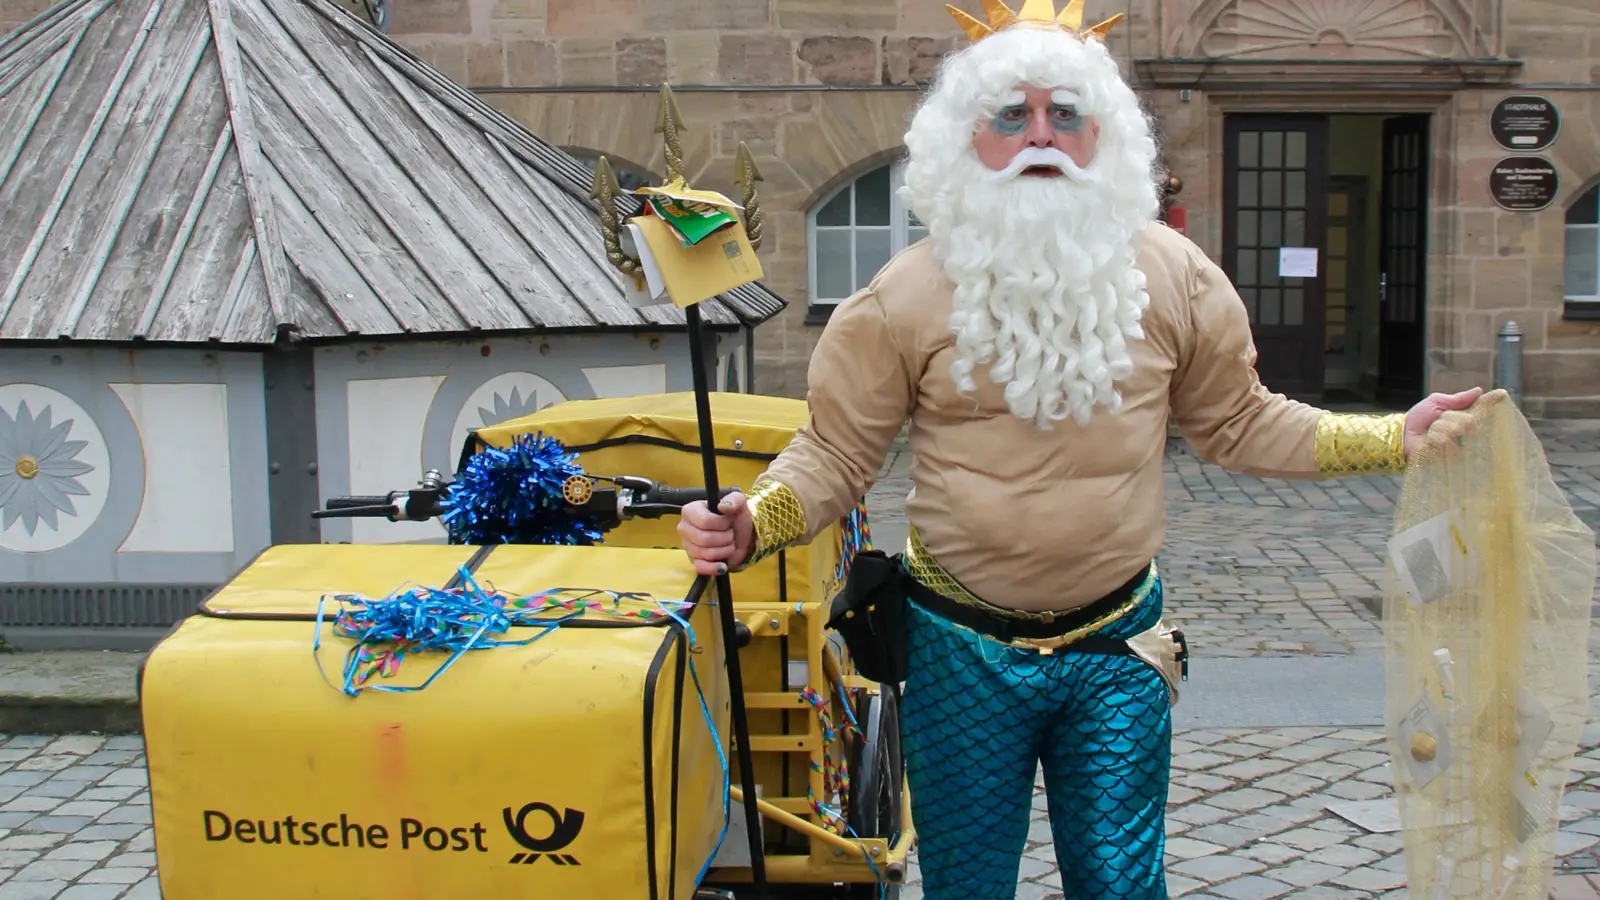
<point x="978" y="718"/>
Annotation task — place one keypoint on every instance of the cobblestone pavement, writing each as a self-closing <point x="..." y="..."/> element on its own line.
<point x="1256" y="569"/>
<point x="1249" y="818"/>
<point x="75" y="821"/>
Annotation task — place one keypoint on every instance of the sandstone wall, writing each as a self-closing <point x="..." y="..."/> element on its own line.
<point x="1486" y="265"/>
<point x="582" y="73"/>
<point x="806" y="143"/>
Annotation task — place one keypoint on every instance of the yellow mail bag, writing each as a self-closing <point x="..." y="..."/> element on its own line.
<point x="580" y="765"/>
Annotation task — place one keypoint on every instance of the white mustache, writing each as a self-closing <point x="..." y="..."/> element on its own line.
<point x="1044" y="156"/>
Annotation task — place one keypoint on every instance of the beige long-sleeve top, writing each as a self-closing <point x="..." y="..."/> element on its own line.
<point x="1025" y="518"/>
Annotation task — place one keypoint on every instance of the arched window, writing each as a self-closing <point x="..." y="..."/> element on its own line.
<point x="628" y="178"/>
<point x="1583" y="256"/>
<point x="852" y="233"/>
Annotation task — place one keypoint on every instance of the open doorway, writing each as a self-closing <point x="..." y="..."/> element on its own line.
<point x="1338" y="319"/>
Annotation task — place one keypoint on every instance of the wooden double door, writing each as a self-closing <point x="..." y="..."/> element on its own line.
<point x="1276" y="192"/>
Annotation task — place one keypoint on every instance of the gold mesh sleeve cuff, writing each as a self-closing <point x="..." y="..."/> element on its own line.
<point x="1360" y="444"/>
<point x="779" y="518"/>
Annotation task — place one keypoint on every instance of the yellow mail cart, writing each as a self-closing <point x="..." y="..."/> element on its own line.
<point x="588" y="753"/>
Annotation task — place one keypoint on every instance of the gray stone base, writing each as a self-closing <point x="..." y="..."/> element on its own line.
<point x="113" y="608"/>
<point x="134" y="640"/>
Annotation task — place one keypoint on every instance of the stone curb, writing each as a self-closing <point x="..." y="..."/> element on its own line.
<point x="46" y="714"/>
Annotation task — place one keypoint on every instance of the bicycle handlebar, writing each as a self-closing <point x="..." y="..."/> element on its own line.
<point x="357" y="501"/>
<point x="662" y="495"/>
<point x="632" y="497"/>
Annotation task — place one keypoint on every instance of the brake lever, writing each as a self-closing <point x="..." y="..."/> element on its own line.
<point x="639" y="486"/>
<point x="652" y="510"/>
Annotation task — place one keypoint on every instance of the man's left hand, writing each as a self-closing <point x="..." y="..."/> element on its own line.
<point x="1443" y="419"/>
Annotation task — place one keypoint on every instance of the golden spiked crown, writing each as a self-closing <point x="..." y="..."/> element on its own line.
<point x="1033" y="14"/>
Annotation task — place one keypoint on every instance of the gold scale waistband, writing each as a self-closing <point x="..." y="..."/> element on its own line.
<point x="929" y="572"/>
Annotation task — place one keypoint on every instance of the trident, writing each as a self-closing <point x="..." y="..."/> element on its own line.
<point x="669" y="124"/>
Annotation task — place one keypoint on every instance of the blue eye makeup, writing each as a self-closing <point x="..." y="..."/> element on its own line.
<point x="1013" y="120"/>
<point x="1064" y="116"/>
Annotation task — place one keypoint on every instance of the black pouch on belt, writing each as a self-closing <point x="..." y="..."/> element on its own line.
<point x="870" y="614"/>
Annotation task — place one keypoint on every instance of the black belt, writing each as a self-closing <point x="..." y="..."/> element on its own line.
<point x="1006" y="628"/>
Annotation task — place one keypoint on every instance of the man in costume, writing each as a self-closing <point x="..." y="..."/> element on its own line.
<point x="1037" y="341"/>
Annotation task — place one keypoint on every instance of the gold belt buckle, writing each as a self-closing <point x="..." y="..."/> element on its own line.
<point x="1044" y="646"/>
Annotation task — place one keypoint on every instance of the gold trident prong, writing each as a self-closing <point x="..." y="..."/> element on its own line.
<point x="605" y="191"/>
<point x="745" y="174"/>
<point x="669" y="122"/>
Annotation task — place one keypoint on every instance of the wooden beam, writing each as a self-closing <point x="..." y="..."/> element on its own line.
<point x="180" y="240"/>
<point x="21" y="139"/>
<point x="45" y="52"/>
<point x="229" y="306"/>
<point x="262" y="214"/>
<point x="43" y="23"/>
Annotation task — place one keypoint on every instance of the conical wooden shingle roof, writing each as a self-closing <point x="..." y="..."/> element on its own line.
<point x="232" y="171"/>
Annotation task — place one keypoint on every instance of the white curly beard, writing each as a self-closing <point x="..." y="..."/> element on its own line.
<point x="1046" y="287"/>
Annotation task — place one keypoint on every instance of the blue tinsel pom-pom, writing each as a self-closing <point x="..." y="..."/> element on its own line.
<point x="513" y="496"/>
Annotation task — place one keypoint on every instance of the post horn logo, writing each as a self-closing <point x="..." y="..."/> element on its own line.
<point x="565" y="827"/>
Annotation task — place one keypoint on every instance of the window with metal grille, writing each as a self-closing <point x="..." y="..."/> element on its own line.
<point x="852" y="234"/>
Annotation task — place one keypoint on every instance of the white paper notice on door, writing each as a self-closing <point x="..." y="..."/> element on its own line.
<point x="1297" y="262"/>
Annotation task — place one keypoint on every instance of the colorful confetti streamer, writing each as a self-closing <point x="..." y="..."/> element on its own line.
<point x="421" y="620"/>
<point x="855" y="535"/>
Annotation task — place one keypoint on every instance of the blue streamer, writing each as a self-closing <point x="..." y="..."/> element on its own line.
<point x="716" y="741"/>
<point x="883" y="886"/>
<point x="416" y="620"/>
<point x="422" y="620"/>
<point x="513" y="496"/>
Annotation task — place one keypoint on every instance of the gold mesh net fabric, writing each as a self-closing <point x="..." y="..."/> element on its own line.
<point x="1348" y="444"/>
<point x="927" y="570"/>
<point x="779" y="518"/>
<point x="1486" y="621"/>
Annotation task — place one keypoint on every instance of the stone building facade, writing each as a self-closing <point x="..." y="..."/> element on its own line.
<point x="1378" y="114"/>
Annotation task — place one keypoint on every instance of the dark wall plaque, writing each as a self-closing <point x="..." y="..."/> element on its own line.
<point x="1525" y="123"/>
<point x="1524" y="183"/>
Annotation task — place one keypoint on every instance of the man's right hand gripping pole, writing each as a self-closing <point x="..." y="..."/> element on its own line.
<point x="717" y="541"/>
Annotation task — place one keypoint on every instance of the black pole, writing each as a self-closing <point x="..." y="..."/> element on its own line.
<point x="741" y="724"/>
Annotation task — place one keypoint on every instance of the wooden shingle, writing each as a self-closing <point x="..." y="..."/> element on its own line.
<point x="237" y="171"/>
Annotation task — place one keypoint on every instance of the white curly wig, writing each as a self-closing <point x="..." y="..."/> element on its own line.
<point x="1045" y="283"/>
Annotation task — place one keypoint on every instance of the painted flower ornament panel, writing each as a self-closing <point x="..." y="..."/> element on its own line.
<point x="53" y="469"/>
<point x="508" y="395"/>
<point x="510" y="408"/>
<point x="39" y="469"/>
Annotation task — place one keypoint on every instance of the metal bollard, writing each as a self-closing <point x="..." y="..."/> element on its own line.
<point x="1508" y="361"/>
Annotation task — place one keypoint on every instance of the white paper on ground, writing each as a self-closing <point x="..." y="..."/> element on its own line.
<point x="1381" y="816"/>
<point x="1376" y="816"/>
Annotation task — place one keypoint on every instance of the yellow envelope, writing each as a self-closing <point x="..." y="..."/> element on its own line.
<point x="677" y="190"/>
<point x="720" y="263"/>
